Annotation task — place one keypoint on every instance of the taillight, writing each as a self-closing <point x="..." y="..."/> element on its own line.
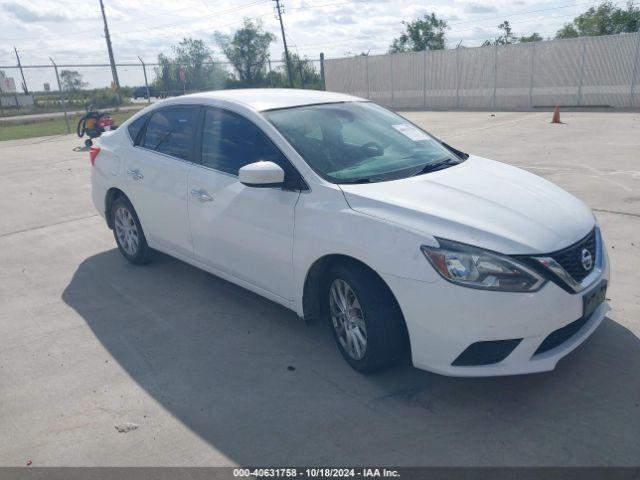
<point x="93" y="153"/>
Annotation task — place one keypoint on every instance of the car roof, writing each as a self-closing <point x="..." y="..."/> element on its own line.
<point x="261" y="99"/>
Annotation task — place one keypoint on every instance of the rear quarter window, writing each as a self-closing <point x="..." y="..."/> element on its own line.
<point x="135" y="128"/>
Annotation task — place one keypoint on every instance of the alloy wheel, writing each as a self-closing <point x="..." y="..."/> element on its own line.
<point x="126" y="231"/>
<point x="348" y="319"/>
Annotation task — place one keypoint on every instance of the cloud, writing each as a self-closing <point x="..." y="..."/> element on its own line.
<point x="41" y="28"/>
<point x="479" y="8"/>
<point x="26" y="14"/>
<point x="328" y="20"/>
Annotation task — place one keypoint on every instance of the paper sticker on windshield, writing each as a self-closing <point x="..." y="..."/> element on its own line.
<point x="411" y="132"/>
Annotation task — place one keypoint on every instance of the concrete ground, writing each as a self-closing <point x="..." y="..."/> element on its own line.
<point x="90" y="344"/>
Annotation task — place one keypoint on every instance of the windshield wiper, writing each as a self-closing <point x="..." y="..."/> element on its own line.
<point x="431" y="167"/>
<point x="355" y="180"/>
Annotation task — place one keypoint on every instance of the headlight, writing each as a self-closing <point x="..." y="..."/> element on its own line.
<point x="477" y="268"/>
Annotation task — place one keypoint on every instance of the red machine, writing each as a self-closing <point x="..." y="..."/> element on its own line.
<point x="94" y="124"/>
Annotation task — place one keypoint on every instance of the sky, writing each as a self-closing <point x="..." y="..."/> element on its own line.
<point x="71" y="31"/>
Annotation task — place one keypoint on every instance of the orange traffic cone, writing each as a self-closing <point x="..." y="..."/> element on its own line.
<point x="556" y="115"/>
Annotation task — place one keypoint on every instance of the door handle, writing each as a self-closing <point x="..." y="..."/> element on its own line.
<point x="202" y="195"/>
<point x="135" y="174"/>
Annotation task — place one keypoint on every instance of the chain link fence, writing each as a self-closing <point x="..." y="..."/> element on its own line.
<point x="47" y="91"/>
<point x="580" y="72"/>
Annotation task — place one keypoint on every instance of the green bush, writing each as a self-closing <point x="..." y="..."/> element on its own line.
<point x="101" y="98"/>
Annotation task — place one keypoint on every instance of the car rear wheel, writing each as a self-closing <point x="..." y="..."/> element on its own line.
<point x="128" y="232"/>
<point x="367" y="323"/>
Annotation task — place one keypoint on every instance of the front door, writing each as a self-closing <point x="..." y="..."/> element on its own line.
<point x="243" y="231"/>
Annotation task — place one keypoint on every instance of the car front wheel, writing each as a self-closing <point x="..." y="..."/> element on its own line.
<point x="367" y="323"/>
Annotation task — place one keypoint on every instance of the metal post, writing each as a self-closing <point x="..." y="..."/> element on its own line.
<point x="64" y="105"/>
<point x="424" y="81"/>
<point x="270" y="73"/>
<point x="322" y="79"/>
<point x="146" y="83"/>
<point x="24" y="82"/>
<point x="366" y="65"/>
<point x="301" y="73"/>
<point x="635" y="71"/>
<point x="533" y="56"/>
<point x="391" y="76"/>
<point x="495" y="76"/>
<point x="1" y="95"/>
<point x="584" y="47"/>
<point x="458" y="77"/>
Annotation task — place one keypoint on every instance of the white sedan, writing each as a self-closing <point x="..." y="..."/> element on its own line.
<point x="344" y="211"/>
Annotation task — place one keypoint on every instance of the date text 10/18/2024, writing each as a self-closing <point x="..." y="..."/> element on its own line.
<point x="316" y="472"/>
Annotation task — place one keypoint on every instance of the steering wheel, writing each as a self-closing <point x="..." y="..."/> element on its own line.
<point x="373" y="149"/>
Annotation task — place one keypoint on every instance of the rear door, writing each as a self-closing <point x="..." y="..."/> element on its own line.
<point x="157" y="176"/>
<point x="243" y="231"/>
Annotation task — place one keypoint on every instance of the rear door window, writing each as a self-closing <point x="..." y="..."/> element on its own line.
<point x="172" y="131"/>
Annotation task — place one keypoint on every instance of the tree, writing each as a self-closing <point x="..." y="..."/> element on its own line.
<point x="71" y="80"/>
<point x="194" y="59"/>
<point x="426" y="33"/>
<point x="605" y="19"/>
<point x="507" y="38"/>
<point x="248" y="51"/>
<point x="305" y="74"/>
<point x="534" y="37"/>
<point x="567" y="31"/>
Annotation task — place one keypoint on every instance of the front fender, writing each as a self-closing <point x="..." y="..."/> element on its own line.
<point x="326" y="225"/>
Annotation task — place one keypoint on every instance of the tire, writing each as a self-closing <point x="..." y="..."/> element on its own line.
<point x="375" y="308"/>
<point x="128" y="233"/>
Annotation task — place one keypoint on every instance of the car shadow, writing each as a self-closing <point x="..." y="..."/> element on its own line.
<point x="250" y="378"/>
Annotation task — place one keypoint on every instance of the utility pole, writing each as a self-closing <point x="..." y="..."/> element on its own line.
<point x="114" y="72"/>
<point x="24" y="82"/>
<point x="284" y="40"/>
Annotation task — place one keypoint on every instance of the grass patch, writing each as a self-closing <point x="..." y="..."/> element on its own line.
<point x="50" y="127"/>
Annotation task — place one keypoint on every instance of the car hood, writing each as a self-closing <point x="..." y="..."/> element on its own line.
<point x="479" y="202"/>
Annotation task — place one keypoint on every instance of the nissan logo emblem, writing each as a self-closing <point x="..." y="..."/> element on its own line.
<point x="586" y="259"/>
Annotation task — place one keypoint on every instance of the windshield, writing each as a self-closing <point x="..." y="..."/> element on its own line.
<point x="359" y="142"/>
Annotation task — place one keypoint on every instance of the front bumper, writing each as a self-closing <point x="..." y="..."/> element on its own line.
<point x="444" y="319"/>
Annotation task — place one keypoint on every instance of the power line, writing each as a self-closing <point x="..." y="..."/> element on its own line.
<point x="520" y="22"/>
<point x="503" y="16"/>
<point x="454" y="35"/>
<point x="307" y="6"/>
<point x="155" y="27"/>
<point x="169" y="39"/>
<point x="328" y="44"/>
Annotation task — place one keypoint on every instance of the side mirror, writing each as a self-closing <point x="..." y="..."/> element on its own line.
<point x="261" y="175"/>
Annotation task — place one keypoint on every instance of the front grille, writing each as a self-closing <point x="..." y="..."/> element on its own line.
<point x="571" y="257"/>
<point x="486" y="353"/>
<point x="558" y="337"/>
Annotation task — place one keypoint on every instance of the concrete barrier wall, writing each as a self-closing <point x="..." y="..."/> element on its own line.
<point x="578" y="72"/>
